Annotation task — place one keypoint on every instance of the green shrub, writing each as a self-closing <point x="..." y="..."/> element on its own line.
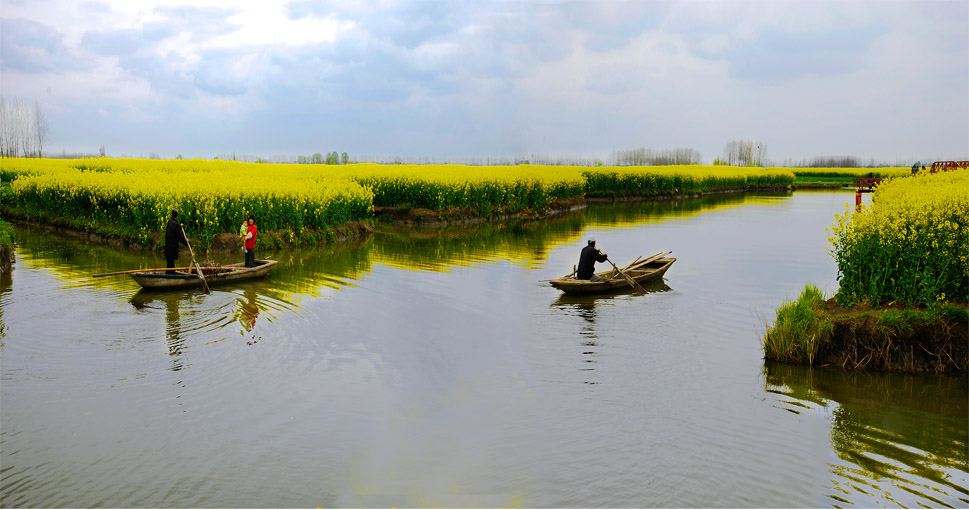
<point x="801" y="326"/>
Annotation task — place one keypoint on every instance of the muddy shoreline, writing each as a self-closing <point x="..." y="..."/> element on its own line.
<point x="896" y="339"/>
<point x="7" y="258"/>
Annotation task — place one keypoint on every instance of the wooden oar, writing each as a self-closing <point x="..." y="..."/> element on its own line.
<point x="637" y="287"/>
<point x="205" y="285"/>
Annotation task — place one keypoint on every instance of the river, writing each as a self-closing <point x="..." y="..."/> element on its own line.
<point x="433" y="368"/>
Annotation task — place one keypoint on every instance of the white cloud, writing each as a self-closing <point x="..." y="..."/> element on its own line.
<point x="265" y="23"/>
<point x="572" y="76"/>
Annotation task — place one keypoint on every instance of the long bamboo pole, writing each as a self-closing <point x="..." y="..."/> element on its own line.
<point x="205" y="284"/>
<point x="647" y="260"/>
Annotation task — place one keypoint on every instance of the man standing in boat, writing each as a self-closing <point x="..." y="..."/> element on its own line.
<point x="250" y="242"/>
<point x="173" y="235"/>
<point x="587" y="262"/>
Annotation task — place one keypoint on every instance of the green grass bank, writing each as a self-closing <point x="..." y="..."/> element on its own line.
<point x="813" y="330"/>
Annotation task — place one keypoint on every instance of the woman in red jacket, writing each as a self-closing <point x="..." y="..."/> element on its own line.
<point x="250" y="240"/>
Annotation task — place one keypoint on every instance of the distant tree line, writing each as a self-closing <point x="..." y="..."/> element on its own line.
<point x="645" y="157"/>
<point x="332" y="158"/>
<point x="23" y="129"/>
<point x="533" y="159"/>
<point x="850" y="162"/>
<point x="743" y="153"/>
<point x="834" y="162"/>
<point x="70" y="155"/>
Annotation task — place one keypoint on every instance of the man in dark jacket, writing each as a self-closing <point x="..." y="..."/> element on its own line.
<point x="173" y="235"/>
<point x="587" y="262"/>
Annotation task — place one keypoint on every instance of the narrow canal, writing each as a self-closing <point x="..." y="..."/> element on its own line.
<point x="435" y="369"/>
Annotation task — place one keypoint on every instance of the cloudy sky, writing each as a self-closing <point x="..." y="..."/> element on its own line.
<point x="872" y="79"/>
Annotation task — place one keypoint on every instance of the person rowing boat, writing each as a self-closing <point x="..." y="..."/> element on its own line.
<point x="587" y="262"/>
<point x="634" y="275"/>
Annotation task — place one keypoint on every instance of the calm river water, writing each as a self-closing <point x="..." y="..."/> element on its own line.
<point x="437" y="370"/>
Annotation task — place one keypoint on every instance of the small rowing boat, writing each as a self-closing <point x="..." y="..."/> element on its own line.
<point x="640" y="271"/>
<point x="214" y="276"/>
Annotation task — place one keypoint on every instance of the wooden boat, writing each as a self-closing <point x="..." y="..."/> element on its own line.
<point x="642" y="271"/>
<point x="213" y="276"/>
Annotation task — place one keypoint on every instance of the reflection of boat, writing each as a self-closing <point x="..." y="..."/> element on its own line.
<point x="647" y="270"/>
<point x="214" y="276"/>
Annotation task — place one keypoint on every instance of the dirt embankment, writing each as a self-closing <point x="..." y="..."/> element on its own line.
<point x="6" y="257"/>
<point x="897" y="339"/>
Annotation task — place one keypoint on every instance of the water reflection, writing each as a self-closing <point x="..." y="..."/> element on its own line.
<point x="6" y="281"/>
<point x="248" y="311"/>
<point x="188" y="314"/>
<point x="629" y="214"/>
<point x="145" y="301"/>
<point x="316" y="271"/>
<point x="585" y="307"/>
<point x="889" y="432"/>
<point x="172" y="334"/>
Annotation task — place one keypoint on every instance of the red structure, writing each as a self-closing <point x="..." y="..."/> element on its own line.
<point x="945" y="166"/>
<point x="867" y="184"/>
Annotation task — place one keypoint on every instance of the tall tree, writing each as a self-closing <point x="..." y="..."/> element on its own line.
<point x="23" y="129"/>
<point x="3" y="127"/>
<point x="43" y="128"/>
<point x="640" y="157"/>
<point x="745" y="153"/>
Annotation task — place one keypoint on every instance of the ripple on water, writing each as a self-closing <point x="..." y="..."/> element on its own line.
<point x="464" y="374"/>
<point x="192" y="314"/>
<point x="882" y="446"/>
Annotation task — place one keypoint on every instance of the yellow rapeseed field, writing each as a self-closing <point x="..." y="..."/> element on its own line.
<point x="212" y="196"/>
<point x="909" y="245"/>
<point x="135" y="196"/>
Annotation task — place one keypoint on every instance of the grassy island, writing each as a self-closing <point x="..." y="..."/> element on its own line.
<point x="903" y="271"/>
